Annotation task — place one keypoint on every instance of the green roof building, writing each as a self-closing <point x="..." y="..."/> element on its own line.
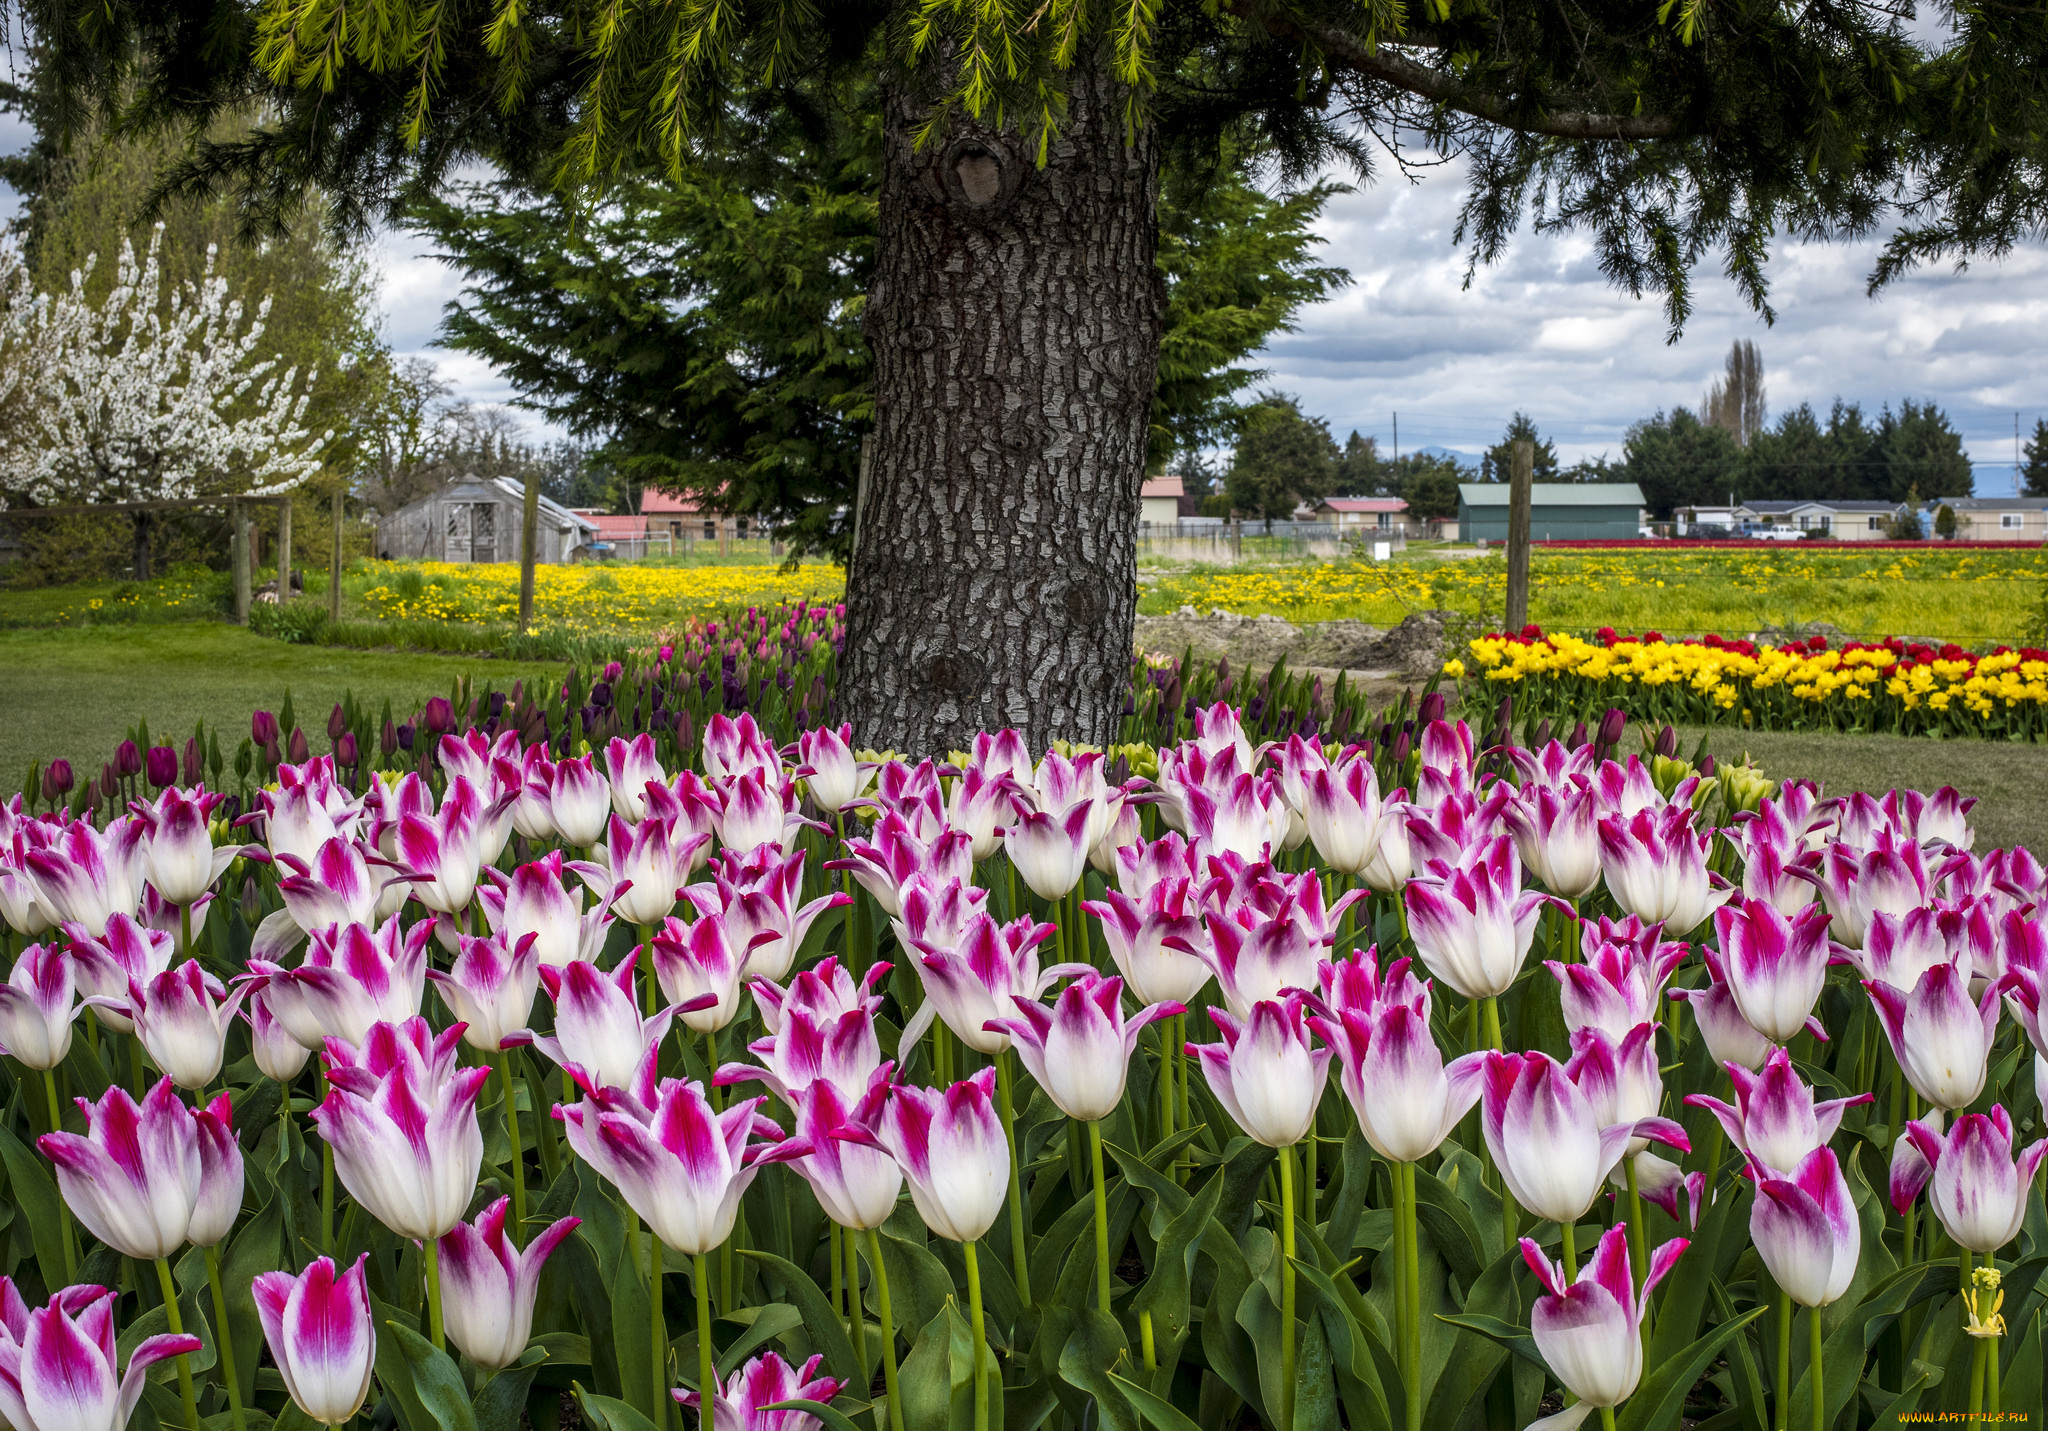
<point x="1558" y="511"/>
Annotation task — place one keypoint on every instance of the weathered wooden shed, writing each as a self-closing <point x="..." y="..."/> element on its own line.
<point x="479" y="519"/>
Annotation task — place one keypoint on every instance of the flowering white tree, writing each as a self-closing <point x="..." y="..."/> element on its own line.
<point x="144" y="396"/>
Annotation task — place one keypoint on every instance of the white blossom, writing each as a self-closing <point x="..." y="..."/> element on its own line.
<point x="145" y="396"/>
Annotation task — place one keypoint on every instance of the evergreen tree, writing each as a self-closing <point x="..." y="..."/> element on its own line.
<point x="1498" y="463"/>
<point x="1359" y="471"/>
<point x="1283" y="459"/>
<point x="1679" y="461"/>
<point x="1429" y="484"/>
<point x="1922" y="453"/>
<point x="2033" y="473"/>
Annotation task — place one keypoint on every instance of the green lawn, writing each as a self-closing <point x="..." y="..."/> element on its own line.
<point x="75" y="692"/>
<point x="2007" y="779"/>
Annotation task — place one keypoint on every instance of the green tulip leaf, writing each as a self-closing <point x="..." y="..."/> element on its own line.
<point x="1515" y="1338"/>
<point x="501" y="1401"/>
<point x="827" y="1332"/>
<point x="1662" y="1391"/>
<point x="833" y="1420"/>
<point x="33" y="1190"/>
<point x="422" y="1381"/>
<point x="608" y="1413"/>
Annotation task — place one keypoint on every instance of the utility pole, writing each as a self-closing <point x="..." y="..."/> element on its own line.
<point x="529" y="528"/>
<point x="1397" y="437"/>
<point x="1518" y="535"/>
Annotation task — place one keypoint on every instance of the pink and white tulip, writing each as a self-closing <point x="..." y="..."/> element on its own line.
<point x="600" y="1039"/>
<point x="1557" y="833"/>
<point x="1616" y="988"/>
<point x="440" y="854"/>
<point x="578" y="798"/>
<point x="825" y="990"/>
<point x="767" y="1380"/>
<point x="1775" y="966"/>
<point x="179" y="858"/>
<point x="645" y="867"/>
<point x="277" y="1053"/>
<point x="401" y="1118"/>
<point x="336" y="887"/>
<point x="59" y="1363"/>
<point x="1079" y="1050"/>
<point x="807" y="1048"/>
<point x="763" y="897"/>
<point x="1341" y="805"/>
<point x="825" y="763"/>
<point x="1804" y="1226"/>
<point x="86" y="877"/>
<point x="105" y="965"/>
<point x="133" y="1177"/>
<point x="182" y="1017"/>
<point x="678" y="1164"/>
<point x="353" y="978"/>
<point x="1980" y="1189"/>
<point x="734" y="747"/>
<point x="1655" y="864"/>
<point x="1406" y="1100"/>
<point x="219" y="1201"/>
<point x="1546" y="1137"/>
<point x="1472" y="922"/>
<point x="1889" y="878"/>
<point x="700" y="968"/>
<point x="488" y="1283"/>
<point x="632" y="765"/>
<point x="535" y="900"/>
<point x="1589" y="1331"/>
<point x="320" y="1335"/>
<point x="950" y="1145"/>
<point x="1050" y="852"/>
<point x="1136" y="932"/>
<point x="490" y="990"/>
<point x="1729" y="1037"/>
<point x="1940" y="1036"/>
<point x="855" y="1183"/>
<point x="1774" y="1118"/>
<point x="37" y="1004"/>
<point x="995" y="963"/>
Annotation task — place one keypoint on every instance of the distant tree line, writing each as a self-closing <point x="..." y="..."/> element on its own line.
<point x="1726" y="450"/>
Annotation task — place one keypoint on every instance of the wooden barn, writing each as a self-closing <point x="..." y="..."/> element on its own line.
<point x="478" y="519"/>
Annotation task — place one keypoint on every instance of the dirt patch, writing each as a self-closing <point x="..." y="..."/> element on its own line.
<point x="1415" y="649"/>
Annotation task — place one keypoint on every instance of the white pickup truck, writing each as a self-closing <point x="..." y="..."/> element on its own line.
<point x="1775" y="534"/>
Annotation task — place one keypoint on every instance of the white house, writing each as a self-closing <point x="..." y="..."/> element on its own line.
<point x="1994" y="519"/>
<point x="1845" y="521"/>
<point x="1159" y="500"/>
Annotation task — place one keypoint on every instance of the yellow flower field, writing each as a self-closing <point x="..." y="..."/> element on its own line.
<point x="1969" y="595"/>
<point x="581" y="599"/>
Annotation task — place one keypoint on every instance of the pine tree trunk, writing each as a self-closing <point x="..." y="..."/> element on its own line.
<point x="1014" y="318"/>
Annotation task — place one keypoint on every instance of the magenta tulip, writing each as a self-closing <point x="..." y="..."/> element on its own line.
<point x="1080" y="1049"/>
<point x="1804" y="1227"/>
<point x="1980" y="1190"/>
<point x="58" y="1363"/>
<point x="1774" y="965"/>
<point x="1589" y="1330"/>
<point x="1774" y="1118"/>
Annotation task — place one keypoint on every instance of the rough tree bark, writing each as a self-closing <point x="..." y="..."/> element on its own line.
<point x="1014" y="318"/>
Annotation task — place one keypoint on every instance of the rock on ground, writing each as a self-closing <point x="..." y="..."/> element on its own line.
<point x="1416" y="648"/>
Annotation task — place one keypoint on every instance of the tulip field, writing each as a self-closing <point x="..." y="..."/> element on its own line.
<point x="640" y="1052"/>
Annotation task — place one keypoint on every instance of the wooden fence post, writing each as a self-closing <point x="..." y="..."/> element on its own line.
<point x="1518" y="536"/>
<point x="334" y="563"/>
<point x="284" y="548"/>
<point x="529" y="530"/>
<point x="238" y="557"/>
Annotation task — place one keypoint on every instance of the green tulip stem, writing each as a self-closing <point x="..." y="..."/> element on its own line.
<point x="1308" y="1178"/>
<point x="832" y="1256"/>
<point x="224" y="1342"/>
<point x="1638" y="1249"/>
<point x="63" y="1207"/>
<point x="1006" y="1103"/>
<point x="1607" y="1418"/>
<point x="707" y="1372"/>
<point x="657" y="1334"/>
<point x="1816" y="1364"/>
<point x="980" y="1340"/>
<point x="175" y="1324"/>
<point x="1407" y="1261"/>
<point x="1781" y="1418"/>
<point x="1491" y="1007"/>
<point x="1569" y="1231"/>
<point x="1101" y="1218"/>
<point x="888" y="1328"/>
<point x="1907" y="1257"/>
<point x="185" y="930"/>
<point x="1286" y="1285"/>
<point x="857" y="1313"/>
<point x="652" y="985"/>
<point x="518" y="1165"/>
<point x="326" y="1178"/>
<point x="1996" y="1401"/>
<point x="711" y="1068"/>
<point x="1977" y="1374"/>
<point x="1180" y="1069"/>
<point x="432" y="1247"/>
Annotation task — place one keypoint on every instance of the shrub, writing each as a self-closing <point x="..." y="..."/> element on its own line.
<point x="300" y="623"/>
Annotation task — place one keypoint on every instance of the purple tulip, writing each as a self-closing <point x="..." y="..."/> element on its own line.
<point x="58" y="779"/>
<point x="1980" y="1192"/>
<point x="767" y="1380"/>
<point x="401" y="1118"/>
<point x="1406" y="1100"/>
<point x="489" y="1283"/>
<point x="127" y="759"/>
<point x="1590" y="1330"/>
<point x="439" y="716"/>
<point x="1079" y="1050"/>
<point x="678" y="1164"/>
<point x="950" y="1145"/>
<point x="37" y="1005"/>
<point x="160" y="766"/>
<point x="1774" y="1118"/>
<point x="321" y="1336"/>
<point x="1941" y="1038"/>
<point x="263" y="727"/>
<point x="1804" y="1227"/>
<point x="1774" y="966"/>
<point x="58" y="1362"/>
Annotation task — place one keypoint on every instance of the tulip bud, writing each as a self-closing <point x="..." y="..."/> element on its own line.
<point x="1667" y="743"/>
<point x="127" y="759"/>
<point x="263" y="727"/>
<point x="110" y="783"/>
<point x="439" y="717"/>
<point x="194" y="762"/>
<point x="160" y="766"/>
<point x="1613" y="726"/>
<point x="296" y="746"/>
<point x="337" y="722"/>
<point x="1540" y="737"/>
<point x="1430" y="709"/>
<point x="58" y="779"/>
<point x="1578" y="737"/>
<point x="389" y="740"/>
<point x="405" y="734"/>
<point x="345" y="752"/>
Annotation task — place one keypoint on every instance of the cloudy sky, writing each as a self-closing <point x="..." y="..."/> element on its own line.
<point x="1544" y="333"/>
